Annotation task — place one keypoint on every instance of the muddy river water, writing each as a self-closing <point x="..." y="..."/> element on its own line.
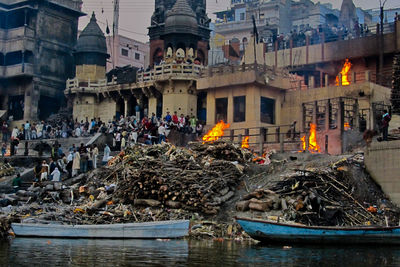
<point x="59" y="252"/>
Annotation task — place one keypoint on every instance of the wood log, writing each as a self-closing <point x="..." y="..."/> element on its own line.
<point x="243" y="205"/>
<point x="147" y="202"/>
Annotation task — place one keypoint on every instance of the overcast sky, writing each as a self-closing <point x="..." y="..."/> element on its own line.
<point x="135" y="14"/>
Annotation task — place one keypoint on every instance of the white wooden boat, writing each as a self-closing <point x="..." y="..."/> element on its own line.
<point x="148" y="230"/>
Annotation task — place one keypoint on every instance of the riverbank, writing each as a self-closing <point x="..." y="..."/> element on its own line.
<point x="210" y="184"/>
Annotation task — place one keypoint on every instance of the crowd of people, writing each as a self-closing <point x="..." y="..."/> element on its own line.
<point x="126" y="131"/>
<point x="324" y="33"/>
<point x="151" y="130"/>
<point x="79" y="160"/>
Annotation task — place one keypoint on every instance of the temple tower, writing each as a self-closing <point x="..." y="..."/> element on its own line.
<point x="91" y="53"/>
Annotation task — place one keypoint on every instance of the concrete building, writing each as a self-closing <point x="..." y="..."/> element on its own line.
<point x="389" y="15"/>
<point x="259" y="98"/>
<point x="179" y="38"/>
<point x="37" y="39"/>
<point x="126" y="51"/>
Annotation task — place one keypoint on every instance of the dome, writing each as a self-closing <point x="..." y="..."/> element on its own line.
<point x="92" y="39"/>
<point x="181" y="19"/>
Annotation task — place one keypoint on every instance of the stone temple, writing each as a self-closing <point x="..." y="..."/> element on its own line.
<point x="272" y="97"/>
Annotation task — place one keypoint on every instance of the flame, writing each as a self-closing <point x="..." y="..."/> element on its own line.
<point x="303" y="141"/>
<point x="313" y="145"/>
<point x="345" y="74"/>
<point x="217" y="132"/>
<point x="245" y="142"/>
<point x="347" y="126"/>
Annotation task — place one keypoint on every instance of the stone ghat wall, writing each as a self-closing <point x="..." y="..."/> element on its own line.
<point x="382" y="162"/>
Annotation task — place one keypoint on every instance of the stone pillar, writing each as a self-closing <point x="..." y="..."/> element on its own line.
<point x="326" y="80"/>
<point x="367" y="76"/>
<point x="353" y="77"/>
<point x="311" y="82"/>
<point x="153" y="106"/>
<point x="31" y="103"/>
<point x="230" y="108"/>
<point x="327" y="114"/>
<point x="125" y="107"/>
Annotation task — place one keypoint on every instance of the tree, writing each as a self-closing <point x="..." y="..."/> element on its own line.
<point x="395" y="98"/>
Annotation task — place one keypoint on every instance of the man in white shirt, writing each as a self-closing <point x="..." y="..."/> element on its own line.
<point x="162" y="133"/>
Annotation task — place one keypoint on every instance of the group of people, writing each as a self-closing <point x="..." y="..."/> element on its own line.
<point x="151" y="130"/>
<point x="79" y="160"/>
<point x="330" y="33"/>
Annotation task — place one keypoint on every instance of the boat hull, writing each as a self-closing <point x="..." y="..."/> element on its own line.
<point x="271" y="232"/>
<point x="151" y="230"/>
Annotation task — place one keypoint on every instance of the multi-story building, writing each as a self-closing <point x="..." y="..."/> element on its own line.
<point x="37" y="39"/>
<point x="281" y="17"/>
<point x="126" y="51"/>
<point x="389" y="14"/>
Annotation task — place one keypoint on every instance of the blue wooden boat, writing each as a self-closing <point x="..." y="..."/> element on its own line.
<point x="148" y="230"/>
<point x="273" y="232"/>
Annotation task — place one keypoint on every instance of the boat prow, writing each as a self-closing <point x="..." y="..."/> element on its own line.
<point x="148" y="230"/>
<point x="274" y="232"/>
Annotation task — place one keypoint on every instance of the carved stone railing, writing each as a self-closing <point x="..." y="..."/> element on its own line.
<point x="166" y="71"/>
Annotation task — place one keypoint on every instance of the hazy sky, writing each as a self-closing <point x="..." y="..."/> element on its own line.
<point x="135" y="14"/>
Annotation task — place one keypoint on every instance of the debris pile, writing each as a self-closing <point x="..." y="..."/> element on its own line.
<point x="144" y="183"/>
<point x="6" y="169"/>
<point x="322" y="197"/>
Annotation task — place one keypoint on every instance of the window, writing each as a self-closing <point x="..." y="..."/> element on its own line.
<point x="239" y="109"/>
<point x="221" y="108"/>
<point x="137" y="56"/>
<point x="242" y="16"/>
<point x="124" y="52"/>
<point x="267" y="110"/>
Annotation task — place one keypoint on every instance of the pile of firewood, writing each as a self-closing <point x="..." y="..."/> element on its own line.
<point x="199" y="179"/>
<point x="323" y="197"/>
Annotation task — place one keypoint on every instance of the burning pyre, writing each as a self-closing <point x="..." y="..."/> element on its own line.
<point x="245" y="142"/>
<point x="345" y="74"/>
<point x="216" y="133"/>
<point x="313" y="146"/>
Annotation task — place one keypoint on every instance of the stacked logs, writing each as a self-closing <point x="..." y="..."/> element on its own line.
<point x="325" y="197"/>
<point x="199" y="179"/>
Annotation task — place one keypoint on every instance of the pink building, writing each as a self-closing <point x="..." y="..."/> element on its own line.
<point x="126" y="51"/>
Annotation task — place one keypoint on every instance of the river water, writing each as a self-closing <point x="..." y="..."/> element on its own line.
<point x="61" y="252"/>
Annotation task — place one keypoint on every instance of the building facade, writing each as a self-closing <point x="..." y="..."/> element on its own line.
<point x="126" y="51"/>
<point x="267" y="99"/>
<point x="35" y="58"/>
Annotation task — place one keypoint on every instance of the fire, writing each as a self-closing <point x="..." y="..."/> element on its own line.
<point x="347" y="126"/>
<point x="345" y="74"/>
<point x="217" y="132"/>
<point x="313" y="144"/>
<point x="245" y="142"/>
<point x="303" y="141"/>
<point x="313" y="147"/>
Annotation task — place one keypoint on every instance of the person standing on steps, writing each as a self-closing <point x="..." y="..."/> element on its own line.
<point x="385" y="125"/>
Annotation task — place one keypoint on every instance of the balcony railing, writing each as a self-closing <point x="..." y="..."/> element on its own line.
<point x="16" y="70"/>
<point x="24" y="31"/>
<point x="170" y="70"/>
<point x="75" y="85"/>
